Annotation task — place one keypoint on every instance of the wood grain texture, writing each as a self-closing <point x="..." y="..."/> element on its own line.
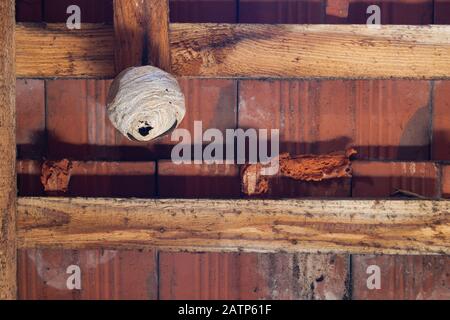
<point x="157" y="33"/>
<point x="238" y="225"/>
<point x="129" y="33"/>
<point x="141" y="29"/>
<point x="346" y="51"/>
<point x="54" y="51"/>
<point x="8" y="189"/>
<point x="226" y="50"/>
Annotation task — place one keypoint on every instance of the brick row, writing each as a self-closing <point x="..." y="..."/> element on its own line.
<point x="383" y="120"/>
<point x="143" y="274"/>
<point x="415" y="12"/>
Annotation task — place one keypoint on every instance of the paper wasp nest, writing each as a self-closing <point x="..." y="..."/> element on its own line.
<point x="145" y="103"/>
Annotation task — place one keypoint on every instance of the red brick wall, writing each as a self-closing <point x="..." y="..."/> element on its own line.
<point x="253" y="11"/>
<point x="400" y="128"/>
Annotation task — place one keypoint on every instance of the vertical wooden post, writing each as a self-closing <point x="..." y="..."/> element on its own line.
<point x="157" y="13"/>
<point x="141" y="30"/>
<point x="8" y="190"/>
<point x="129" y="32"/>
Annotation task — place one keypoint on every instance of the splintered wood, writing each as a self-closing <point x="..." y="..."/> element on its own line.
<point x="301" y="167"/>
<point x="55" y="176"/>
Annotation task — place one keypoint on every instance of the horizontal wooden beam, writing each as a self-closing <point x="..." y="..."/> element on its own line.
<point x="341" y="51"/>
<point x="355" y="226"/>
<point x="248" y="50"/>
<point x="46" y="51"/>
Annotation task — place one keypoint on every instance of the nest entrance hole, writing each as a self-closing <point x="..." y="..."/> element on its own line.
<point x="145" y="128"/>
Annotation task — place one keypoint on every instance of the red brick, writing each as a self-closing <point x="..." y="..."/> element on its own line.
<point x="105" y="274"/>
<point x="218" y="11"/>
<point x="337" y="8"/>
<point x="446" y="181"/>
<point x="100" y="11"/>
<point x="281" y="11"/>
<point x="113" y="179"/>
<point x="212" y="101"/>
<point x="252" y="276"/>
<point x="403" y="277"/>
<point x="198" y="180"/>
<point x="28" y="178"/>
<point x="381" y="119"/>
<point x="387" y="119"/>
<point x="300" y="111"/>
<point x="441" y="121"/>
<point x="415" y="12"/>
<point x="282" y="187"/>
<point x="392" y="119"/>
<point x="28" y="10"/>
<point x="312" y="116"/>
<point x="94" y="179"/>
<point x="30" y="119"/>
<point x="383" y="179"/>
<point x="441" y="11"/>
<point x="91" y="136"/>
<point x="78" y="125"/>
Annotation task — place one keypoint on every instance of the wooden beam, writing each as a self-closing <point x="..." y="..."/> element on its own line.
<point x="8" y="190"/>
<point x="129" y="33"/>
<point x="239" y="50"/>
<point x="54" y="51"/>
<point x="159" y="53"/>
<point x="141" y="30"/>
<point x="340" y="51"/>
<point x="351" y="226"/>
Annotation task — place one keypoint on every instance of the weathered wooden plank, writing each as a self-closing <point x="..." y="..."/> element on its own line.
<point x="378" y="226"/>
<point x="141" y="33"/>
<point x="54" y="51"/>
<point x="157" y="27"/>
<point x="347" y="51"/>
<point x="8" y="189"/>
<point x="239" y="50"/>
<point x="129" y="33"/>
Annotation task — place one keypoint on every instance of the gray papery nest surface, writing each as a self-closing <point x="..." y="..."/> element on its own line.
<point x="145" y="103"/>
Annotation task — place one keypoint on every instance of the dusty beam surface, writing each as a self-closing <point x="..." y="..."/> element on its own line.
<point x="355" y="226"/>
<point x="242" y="50"/>
<point x="8" y="189"/>
<point x="54" y="51"/>
<point x="341" y="51"/>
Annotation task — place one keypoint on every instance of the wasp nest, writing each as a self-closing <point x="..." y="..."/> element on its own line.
<point x="145" y="103"/>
